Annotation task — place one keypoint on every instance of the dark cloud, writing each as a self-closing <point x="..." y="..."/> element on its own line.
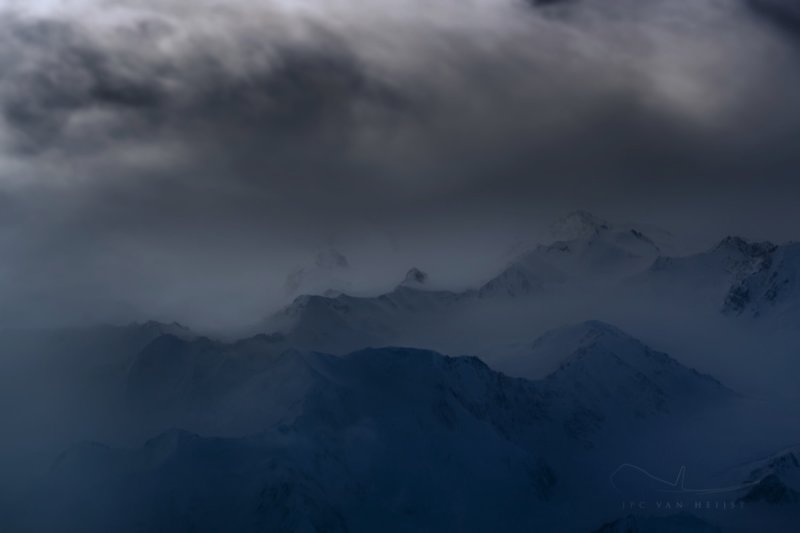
<point x="149" y="158"/>
<point x="783" y="13"/>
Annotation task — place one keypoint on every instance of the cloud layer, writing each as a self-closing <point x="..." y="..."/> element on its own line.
<point x="160" y="157"/>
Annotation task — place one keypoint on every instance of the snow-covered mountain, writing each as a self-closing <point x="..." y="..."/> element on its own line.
<point x="592" y="368"/>
<point x="277" y="434"/>
<point x="736" y="278"/>
<point x="594" y="254"/>
<point x="706" y="277"/>
<point x="770" y="287"/>
<point x="599" y="379"/>
<point x="772" y="480"/>
<point x="603" y="269"/>
<point x="397" y="438"/>
<point x="584" y="249"/>
<point x="279" y="439"/>
<point x="601" y="363"/>
<point x="330" y="270"/>
<point x="341" y="322"/>
<point x="584" y="225"/>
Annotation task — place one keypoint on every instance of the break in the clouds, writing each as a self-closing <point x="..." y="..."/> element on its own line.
<point x="166" y="156"/>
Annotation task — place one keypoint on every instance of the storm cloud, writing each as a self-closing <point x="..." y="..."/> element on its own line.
<point x="175" y="159"/>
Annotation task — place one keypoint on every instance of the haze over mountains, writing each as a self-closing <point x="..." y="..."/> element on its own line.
<point x="303" y="266"/>
<point x="308" y="426"/>
<point x="335" y="443"/>
<point x="593" y="270"/>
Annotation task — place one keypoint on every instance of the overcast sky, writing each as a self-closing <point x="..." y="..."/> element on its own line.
<point x="177" y="158"/>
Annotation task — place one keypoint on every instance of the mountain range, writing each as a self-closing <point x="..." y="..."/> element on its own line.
<point x="357" y="413"/>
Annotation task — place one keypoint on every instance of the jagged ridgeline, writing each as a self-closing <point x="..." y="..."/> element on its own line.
<point x="315" y="423"/>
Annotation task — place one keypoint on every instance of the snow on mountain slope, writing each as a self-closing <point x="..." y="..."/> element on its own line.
<point x="585" y="249"/>
<point x="55" y="376"/>
<point x="179" y="481"/>
<point x="330" y="270"/>
<point x="583" y="225"/>
<point x="596" y="254"/>
<point x="566" y="351"/>
<point x="395" y="436"/>
<point x="205" y="386"/>
<point x="772" y="288"/>
<point x="605" y="380"/>
<point x="342" y="323"/>
<point x="772" y="480"/>
<point x="392" y="438"/>
<point x="577" y="225"/>
<point x="602" y="380"/>
<point x="415" y="278"/>
<point x="213" y="387"/>
<point x="704" y="277"/>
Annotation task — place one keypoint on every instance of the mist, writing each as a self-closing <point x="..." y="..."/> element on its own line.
<point x="178" y="160"/>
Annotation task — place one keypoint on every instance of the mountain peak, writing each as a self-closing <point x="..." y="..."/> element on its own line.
<point x="330" y="270"/>
<point x="750" y="249"/>
<point x="578" y="225"/>
<point x="594" y="339"/>
<point x="415" y="277"/>
<point x="583" y="335"/>
<point x="162" y="328"/>
<point x="603" y="365"/>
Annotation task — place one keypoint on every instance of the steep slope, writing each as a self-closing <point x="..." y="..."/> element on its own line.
<point x="605" y="380"/>
<point x="567" y="350"/>
<point x="772" y="288"/>
<point x="330" y="270"/>
<point x="208" y="386"/>
<point x="594" y="254"/>
<point x="704" y="278"/>
<point x="394" y="439"/>
<point x="585" y="250"/>
<point x="391" y="438"/>
<point x="343" y="323"/>
<point x="773" y="480"/>
<point x="594" y="372"/>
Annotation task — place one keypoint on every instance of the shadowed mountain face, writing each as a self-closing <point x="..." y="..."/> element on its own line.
<point x="350" y="203"/>
<point x="342" y="443"/>
<point x="598" y="270"/>
<point x="602" y="363"/>
<point x="771" y="288"/>
<point x="592" y="255"/>
<point x="709" y="274"/>
<point x="377" y="434"/>
<point x="275" y="433"/>
<point x="260" y="383"/>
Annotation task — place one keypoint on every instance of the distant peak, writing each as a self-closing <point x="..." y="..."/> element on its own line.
<point x="599" y="326"/>
<point x="586" y="217"/>
<point x="415" y="276"/>
<point x="578" y="225"/>
<point x="155" y="324"/>
<point x="591" y="331"/>
<point x="591" y="338"/>
<point x="595" y="326"/>
<point x="751" y="249"/>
